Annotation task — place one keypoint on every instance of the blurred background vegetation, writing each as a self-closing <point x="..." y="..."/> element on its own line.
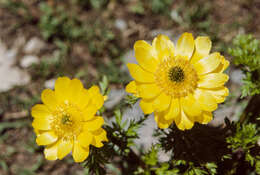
<point x="45" y="39"/>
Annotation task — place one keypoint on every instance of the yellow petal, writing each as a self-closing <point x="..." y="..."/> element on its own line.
<point x="37" y="131"/>
<point x="213" y="80"/>
<point x="185" y="122"/>
<point x="202" y="48"/>
<point x="145" y="55"/>
<point x="146" y="106"/>
<point x="222" y="66"/>
<point x="94" y="124"/>
<point x="148" y="91"/>
<point x="164" y="47"/>
<point x="85" y="139"/>
<point x="205" y="117"/>
<point x="100" y="136"/>
<point x="89" y="112"/>
<point x="96" y="97"/>
<point x="64" y="148"/>
<point x="190" y="106"/>
<point x="161" y="121"/>
<point x="205" y="99"/>
<point x="51" y="151"/>
<point x="207" y="64"/>
<point x="185" y="45"/>
<point x="219" y="93"/>
<point x="42" y="123"/>
<point x="83" y="99"/>
<point x="74" y="90"/>
<point x="174" y="110"/>
<point x="162" y="102"/>
<point x="61" y="88"/>
<point x="46" y="138"/>
<point x="131" y="88"/>
<point x="79" y="153"/>
<point x="40" y="111"/>
<point x="140" y="74"/>
<point x="49" y="99"/>
<point x="225" y="64"/>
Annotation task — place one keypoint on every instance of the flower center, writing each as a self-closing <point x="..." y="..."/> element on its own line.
<point x="176" y="77"/>
<point x="176" y="74"/>
<point x="66" y="121"/>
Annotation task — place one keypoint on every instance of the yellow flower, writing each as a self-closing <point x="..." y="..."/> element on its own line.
<point x="66" y="121"/>
<point x="182" y="83"/>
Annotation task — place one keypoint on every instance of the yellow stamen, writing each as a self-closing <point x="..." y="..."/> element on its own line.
<point x="67" y="124"/>
<point x="176" y="77"/>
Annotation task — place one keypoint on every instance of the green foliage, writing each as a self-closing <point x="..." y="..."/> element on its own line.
<point x="98" y="157"/>
<point x="17" y="124"/>
<point x="161" y="6"/>
<point x="53" y="66"/>
<point x="173" y="167"/>
<point x="16" y="7"/>
<point x="100" y="39"/>
<point x="245" y="137"/>
<point x="96" y="4"/>
<point x="114" y="74"/>
<point x="131" y="99"/>
<point x="104" y="85"/>
<point x="138" y="8"/>
<point x="246" y="53"/>
<point x="57" y="23"/>
<point x="125" y="131"/>
<point x="244" y="151"/>
<point x="196" y="15"/>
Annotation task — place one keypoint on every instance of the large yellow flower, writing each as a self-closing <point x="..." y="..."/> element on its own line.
<point x="181" y="84"/>
<point x="66" y="120"/>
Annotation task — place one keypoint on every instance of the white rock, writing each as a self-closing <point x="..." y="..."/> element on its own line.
<point x="146" y="131"/>
<point x="34" y="45"/>
<point x="28" y="60"/>
<point x="49" y="83"/>
<point x="129" y="57"/>
<point x="10" y="75"/>
<point x="120" y="24"/>
<point x="236" y="76"/>
<point x="114" y="97"/>
<point x="175" y="16"/>
<point x="19" y="42"/>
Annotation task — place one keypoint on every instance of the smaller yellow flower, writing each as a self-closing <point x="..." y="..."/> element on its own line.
<point x="66" y="120"/>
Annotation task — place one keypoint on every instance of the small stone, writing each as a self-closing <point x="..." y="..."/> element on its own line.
<point x="175" y="16"/>
<point x="34" y="45"/>
<point x="19" y="42"/>
<point x="120" y="24"/>
<point x="114" y="98"/>
<point x="10" y="75"/>
<point x="220" y="114"/>
<point x="236" y="76"/>
<point x="146" y="138"/>
<point x="28" y="60"/>
<point x="50" y="83"/>
<point x="129" y="57"/>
